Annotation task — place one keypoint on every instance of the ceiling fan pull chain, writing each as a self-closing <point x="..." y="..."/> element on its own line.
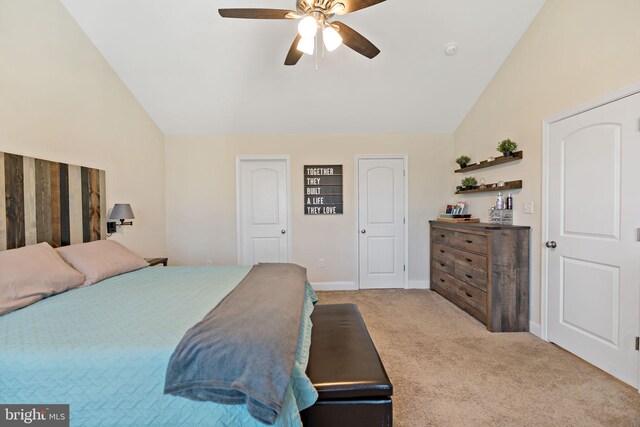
<point x="316" y="40"/>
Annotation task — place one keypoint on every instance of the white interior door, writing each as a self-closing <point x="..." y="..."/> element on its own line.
<point x="263" y="211"/>
<point x="593" y="249"/>
<point x="381" y="220"/>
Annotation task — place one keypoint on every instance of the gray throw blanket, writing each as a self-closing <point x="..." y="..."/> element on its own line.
<point x="244" y="350"/>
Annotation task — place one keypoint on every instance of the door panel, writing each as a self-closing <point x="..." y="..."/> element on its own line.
<point x="590" y="296"/>
<point x="264" y="211"/>
<point x="266" y="249"/>
<point x="381" y="223"/>
<point x="594" y="211"/>
<point x="592" y="166"/>
<point x="265" y="206"/>
<point x="380" y="195"/>
<point x="382" y="257"/>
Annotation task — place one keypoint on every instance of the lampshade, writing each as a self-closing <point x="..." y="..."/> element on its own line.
<point x="331" y="38"/>
<point x="308" y="27"/>
<point x="122" y="211"/>
<point x="306" y="45"/>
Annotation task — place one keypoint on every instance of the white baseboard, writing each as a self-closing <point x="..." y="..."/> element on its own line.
<point x="535" y="329"/>
<point x="352" y="286"/>
<point x="419" y="284"/>
<point x="334" y="286"/>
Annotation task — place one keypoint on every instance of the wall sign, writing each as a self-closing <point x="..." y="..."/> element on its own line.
<point x="323" y="190"/>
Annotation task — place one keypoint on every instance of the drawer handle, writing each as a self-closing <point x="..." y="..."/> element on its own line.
<point x="443" y="235"/>
<point x="441" y="251"/>
<point x="468" y="260"/>
<point x="469" y="276"/>
<point x="443" y="264"/>
<point x="442" y="280"/>
<point x="469" y="295"/>
<point x="469" y="241"/>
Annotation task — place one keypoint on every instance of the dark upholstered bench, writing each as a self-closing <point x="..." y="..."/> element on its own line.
<point x="344" y="366"/>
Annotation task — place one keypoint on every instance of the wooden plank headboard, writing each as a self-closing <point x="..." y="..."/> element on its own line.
<point x="43" y="201"/>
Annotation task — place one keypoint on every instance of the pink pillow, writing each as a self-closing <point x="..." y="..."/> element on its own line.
<point x="101" y="259"/>
<point x="32" y="273"/>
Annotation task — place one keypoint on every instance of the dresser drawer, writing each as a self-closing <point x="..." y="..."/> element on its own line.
<point x="470" y="242"/>
<point x="440" y="235"/>
<point x="463" y="292"/>
<point x="444" y="253"/>
<point x="471" y="296"/>
<point x="446" y="266"/>
<point x="472" y="260"/>
<point x="442" y="283"/>
<point x="472" y="275"/>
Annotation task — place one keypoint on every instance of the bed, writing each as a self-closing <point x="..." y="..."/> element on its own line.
<point x="84" y="321"/>
<point x="104" y="350"/>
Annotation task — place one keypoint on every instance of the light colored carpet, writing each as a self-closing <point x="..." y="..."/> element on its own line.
<point x="448" y="370"/>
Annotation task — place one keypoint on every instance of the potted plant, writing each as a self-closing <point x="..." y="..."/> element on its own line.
<point x="463" y="161"/>
<point x="469" y="183"/>
<point x="507" y="147"/>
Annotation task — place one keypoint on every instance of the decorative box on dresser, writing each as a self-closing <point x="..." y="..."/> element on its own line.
<point x="483" y="269"/>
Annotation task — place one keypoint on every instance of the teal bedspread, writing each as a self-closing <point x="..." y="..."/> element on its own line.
<point x="104" y="350"/>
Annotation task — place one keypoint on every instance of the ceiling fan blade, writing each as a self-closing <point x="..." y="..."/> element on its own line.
<point x="258" y="13"/>
<point x="356" y="41"/>
<point x="353" y="5"/>
<point x="294" y="54"/>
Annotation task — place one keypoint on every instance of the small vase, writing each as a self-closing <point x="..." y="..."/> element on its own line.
<point x="508" y="154"/>
<point x="463" y="165"/>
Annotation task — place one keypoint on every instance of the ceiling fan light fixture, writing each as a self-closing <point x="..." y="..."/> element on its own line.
<point x="315" y="16"/>
<point x="332" y="39"/>
<point x="308" y="27"/>
<point x="306" y="45"/>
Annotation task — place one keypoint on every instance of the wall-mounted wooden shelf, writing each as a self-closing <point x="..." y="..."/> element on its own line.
<point x="498" y="161"/>
<point x="509" y="185"/>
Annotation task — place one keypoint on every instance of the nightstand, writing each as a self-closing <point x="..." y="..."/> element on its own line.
<point x="157" y="261"/>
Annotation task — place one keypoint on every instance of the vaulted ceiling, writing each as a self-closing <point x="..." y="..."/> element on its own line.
<point x="197" y="73"/>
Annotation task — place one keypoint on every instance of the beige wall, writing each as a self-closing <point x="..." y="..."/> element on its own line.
<point x="60" y="100"/>
<point x="575" y="51"/>
<point x="201" y="197"/>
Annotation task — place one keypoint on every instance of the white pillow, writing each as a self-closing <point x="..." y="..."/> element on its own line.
<point x="32" y="273"/>
<point x="101" y="259"/>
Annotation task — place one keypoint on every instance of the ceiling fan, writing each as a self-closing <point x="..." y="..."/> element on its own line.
<point x="316" y="15"/>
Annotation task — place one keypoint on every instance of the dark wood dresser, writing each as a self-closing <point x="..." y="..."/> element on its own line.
<point x="483" y="269"/>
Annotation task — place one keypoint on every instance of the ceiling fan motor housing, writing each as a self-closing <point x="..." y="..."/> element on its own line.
<point x="326" y="8"/>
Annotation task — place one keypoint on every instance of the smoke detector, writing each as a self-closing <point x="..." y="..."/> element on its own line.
<point x="451" y="49"/>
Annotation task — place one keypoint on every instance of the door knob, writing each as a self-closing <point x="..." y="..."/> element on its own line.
<point x="283" y="232"/>
<point x="551" y="245"/>
<point x="363" y="231"/>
